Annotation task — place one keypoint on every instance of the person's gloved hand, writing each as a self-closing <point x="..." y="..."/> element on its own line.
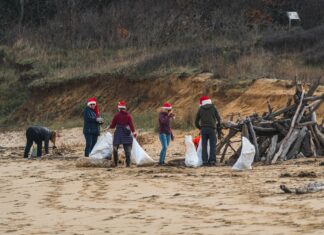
<point x="100" y="120"/>
<point x="135" y="135"/>
<point x="172" y="137"/>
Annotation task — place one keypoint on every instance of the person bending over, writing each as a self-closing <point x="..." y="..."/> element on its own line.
<point x="39" y="134"/>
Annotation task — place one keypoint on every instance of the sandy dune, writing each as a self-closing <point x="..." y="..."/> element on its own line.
<point x="52" y="196"/>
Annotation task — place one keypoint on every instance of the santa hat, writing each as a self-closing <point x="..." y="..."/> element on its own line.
<point x="167" y="106"/>
<point x="204" y="100"/>
<point x="93" y="100"/>
<point x="121" y="104"/>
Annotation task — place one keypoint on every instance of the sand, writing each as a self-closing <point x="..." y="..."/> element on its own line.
<point x="53" y="196"/>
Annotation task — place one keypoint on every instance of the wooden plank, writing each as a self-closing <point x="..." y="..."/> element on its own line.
<point x="297" y="145"/>
<point x="272" y="149"/>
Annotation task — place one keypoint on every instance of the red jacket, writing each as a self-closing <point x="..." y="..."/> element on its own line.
<point x="122" y="118"/>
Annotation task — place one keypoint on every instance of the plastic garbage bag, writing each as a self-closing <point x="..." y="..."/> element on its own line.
<point x="191" y="159"/>
<point x="103" y="148"/>
<point x="139" y="156"/>
<point x="199" y="151"/>
<point x="244" y="162"/>
<point x="33" y="151"/>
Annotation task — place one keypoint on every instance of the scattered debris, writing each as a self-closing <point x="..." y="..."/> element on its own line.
<point x="309" y="188"/>
<point x="307" y="174"/>
<point x="302" y="174"/>
<point x="285" y="175"/>
<point x="87" y="162"/>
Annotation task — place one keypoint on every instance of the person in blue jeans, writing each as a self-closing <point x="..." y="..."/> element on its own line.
<point x="165" y="132"/>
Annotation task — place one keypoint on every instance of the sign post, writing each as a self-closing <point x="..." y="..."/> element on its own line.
<point x="292" y="15"/>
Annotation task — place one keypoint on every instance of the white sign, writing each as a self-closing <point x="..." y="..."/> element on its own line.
<point x="293" y="15"/>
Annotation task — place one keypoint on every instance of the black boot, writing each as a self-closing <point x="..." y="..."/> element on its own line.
<point x="115" y="153"/>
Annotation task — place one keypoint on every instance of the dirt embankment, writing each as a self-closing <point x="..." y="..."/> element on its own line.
<point x="64" y="102"/>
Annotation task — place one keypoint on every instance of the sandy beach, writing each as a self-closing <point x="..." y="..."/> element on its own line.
<point x="53" y="196"/>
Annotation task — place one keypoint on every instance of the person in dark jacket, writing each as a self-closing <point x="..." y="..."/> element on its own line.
<point x="91" y="127"/>
<point x="208" y="122"/>
<point x="165" y="132"/>
<point x="38" y="134"/>
<point x="124" y="132"/>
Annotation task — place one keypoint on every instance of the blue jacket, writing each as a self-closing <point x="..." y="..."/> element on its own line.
<point x="91" y="126"/>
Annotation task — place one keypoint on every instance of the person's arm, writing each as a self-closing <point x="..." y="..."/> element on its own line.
<point x="218" y="125"/>
<point x="217" y="117"/>
<point x="131" y="123"/>
<point x="90" y="116"/>
<point x="197" y="124"/>
<point x="46" y="146"/>
<point x="113" y="123"/>
<point x="47" y="138"/>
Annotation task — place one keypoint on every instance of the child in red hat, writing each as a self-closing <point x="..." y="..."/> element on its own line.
<point x="123" y="135"/>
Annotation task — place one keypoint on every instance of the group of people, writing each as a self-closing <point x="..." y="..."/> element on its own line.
<point x="207" y="121"/>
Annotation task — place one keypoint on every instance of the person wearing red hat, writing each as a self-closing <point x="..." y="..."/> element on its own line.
<point x="92" y="121"/>
<point x="208" y="122"/>
<point x="165" y="132"/>
<point x="125" y="130"/>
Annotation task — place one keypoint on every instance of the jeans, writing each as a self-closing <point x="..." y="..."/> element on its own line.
<point x="208" y="133"/>
<point x="91" y="140"/>
<point x="165" y="141"/>
<point x="127" y="149"/>
<point x="29" y="145"/>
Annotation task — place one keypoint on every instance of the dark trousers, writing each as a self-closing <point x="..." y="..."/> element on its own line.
<point x="208" y="133"/>
<point x="127" y="149"/>
<point x="91" y="140"/>
<point x="29" y="144"/>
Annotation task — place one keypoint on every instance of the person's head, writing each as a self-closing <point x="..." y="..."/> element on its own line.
<point x="53" y="138"/>
<point x="121" y="105"/>
<point x="167" y="107"/>
<point x="92" y="102"/>
<point x="204" y="100"/>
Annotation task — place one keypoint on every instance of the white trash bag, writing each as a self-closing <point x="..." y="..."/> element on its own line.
<point x="244" y="162"/>
<point x="139" y="156"/>
<point x="199" y="151"/>
<point x="191" y="159"/>
<point x="103" y="148"/>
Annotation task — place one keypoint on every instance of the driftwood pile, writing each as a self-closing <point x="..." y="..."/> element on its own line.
<point x="290" y="132"/>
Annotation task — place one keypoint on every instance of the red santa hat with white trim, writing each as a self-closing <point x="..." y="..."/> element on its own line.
<point x="121" y="104"/>
<point x="91" y="101"/>
<point x="167" y="106"/>
<point x="204" y="100"/>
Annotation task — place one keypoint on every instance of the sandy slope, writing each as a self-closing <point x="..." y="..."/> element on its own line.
<point x="52" y="196"/>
